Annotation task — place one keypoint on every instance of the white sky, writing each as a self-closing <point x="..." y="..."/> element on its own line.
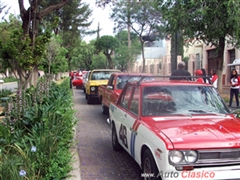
<point x="99" y="15"/>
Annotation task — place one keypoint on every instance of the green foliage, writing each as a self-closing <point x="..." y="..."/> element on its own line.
<point x="83" y="55"/>
<point x="140" y="16"/>
<point x="107" y="44"/>
<point x="9" y="79"/>
<point x="55" y="59"/>
<point x="207" y="20"/>
<point x="124" y="54"/>
<point x="37" y="138"/>
<point x="99" y="62"/>
<point x="5" y="93"/>
<point x="74" y="24"/>
<point x="213" y="22"/>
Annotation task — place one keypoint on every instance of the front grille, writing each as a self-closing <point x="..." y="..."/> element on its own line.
<point x="218" y="157"/>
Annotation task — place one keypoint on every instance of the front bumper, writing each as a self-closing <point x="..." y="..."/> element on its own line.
<point x="216" y="173"/>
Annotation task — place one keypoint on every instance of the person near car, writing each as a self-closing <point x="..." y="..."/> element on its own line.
<point x="206" y="78"/>
<point x="180" y="73"/>
<point x="214" y="78"/>
<point x="234" y="87"/>
<point x="199" y="75"/>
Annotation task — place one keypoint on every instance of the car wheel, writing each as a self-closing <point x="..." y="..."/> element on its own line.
<point x="105" y="110"/>
<point x="115" y="144"/>
<point x="89" y="100"/>
<point x="149" y="166"/>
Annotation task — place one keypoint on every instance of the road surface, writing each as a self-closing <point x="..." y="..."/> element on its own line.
<point x="97" y="158"/>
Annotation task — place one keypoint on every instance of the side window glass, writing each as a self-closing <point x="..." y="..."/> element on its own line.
<point x="135" y="101"/>
<point x="126" y="97"/>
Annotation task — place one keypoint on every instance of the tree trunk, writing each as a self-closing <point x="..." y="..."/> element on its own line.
<point x="34" y="77"/>
<point x="110" y="62"/>
<point x="220" y="58"/>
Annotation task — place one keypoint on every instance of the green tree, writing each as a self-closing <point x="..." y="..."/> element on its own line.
<point x="107" y="44"/>
<point x="141" y="17"/>
<point x="5" y="27"/>
<point x="99" y="61"/>
<point x="73" y="25"/>
<point x="18" y="52"/>
<point x="214" y="22"/>
<point x="83" y="55"/>
<point x="124" y="53"/>
<point x="26" y="44"/>
<point x="55" y="58"/>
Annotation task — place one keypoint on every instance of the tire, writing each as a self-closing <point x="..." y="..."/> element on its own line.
<point x="105" y="110"/>
<point x="149" y="166"/>
<point x="115" y="144"/>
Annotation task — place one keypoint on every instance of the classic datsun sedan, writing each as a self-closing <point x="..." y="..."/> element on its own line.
<point x="176" y="130"/>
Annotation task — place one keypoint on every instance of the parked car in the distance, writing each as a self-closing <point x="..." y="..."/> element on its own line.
<point x="183" y="128"/>
<point x="110" y="92"/>
<point x="78" y="80"/>
<point x="96" y="78"/>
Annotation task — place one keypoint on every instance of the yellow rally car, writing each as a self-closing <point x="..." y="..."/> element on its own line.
<point x="96" y="78"/>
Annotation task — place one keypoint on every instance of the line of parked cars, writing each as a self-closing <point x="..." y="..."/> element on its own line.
<point x="169" y="126"/>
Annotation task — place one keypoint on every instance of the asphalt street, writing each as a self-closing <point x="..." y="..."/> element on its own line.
<point x="98" y="160"/>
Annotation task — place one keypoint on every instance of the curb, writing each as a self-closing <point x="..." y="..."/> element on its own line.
<point x="76" y="172"/>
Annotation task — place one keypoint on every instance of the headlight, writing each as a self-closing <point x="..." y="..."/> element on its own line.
<point x="191" y="156"/>
<point x="176" y="157"/>
<point x="92" y="88"/>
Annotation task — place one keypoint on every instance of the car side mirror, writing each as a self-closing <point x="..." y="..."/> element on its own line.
<point x="110" y="87"/>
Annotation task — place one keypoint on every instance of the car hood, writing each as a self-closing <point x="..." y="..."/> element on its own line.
<point x="98" y="82"/>
<point x="199" y="132"/>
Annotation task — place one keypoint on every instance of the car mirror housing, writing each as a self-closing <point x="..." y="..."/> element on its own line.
<point x="110" y="87"/>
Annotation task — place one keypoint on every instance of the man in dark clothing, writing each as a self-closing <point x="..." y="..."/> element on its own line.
<point x="180" y="73"/>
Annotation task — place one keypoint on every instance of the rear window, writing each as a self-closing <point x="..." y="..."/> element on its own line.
<point x="101" y="75"/>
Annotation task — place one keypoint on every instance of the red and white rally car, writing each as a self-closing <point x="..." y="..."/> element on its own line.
<point x="176" y="130"/>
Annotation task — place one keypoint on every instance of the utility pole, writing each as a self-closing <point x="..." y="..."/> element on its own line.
<point x="129" y="64"/>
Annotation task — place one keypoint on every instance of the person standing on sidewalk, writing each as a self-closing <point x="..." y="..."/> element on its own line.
<point x="234" y="90"/>
<point x="214" y="78"/>
<point x="206" y="78"/>
<point x="180" y="73"/>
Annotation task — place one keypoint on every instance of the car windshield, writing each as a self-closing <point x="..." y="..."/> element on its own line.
<point x="101" y="75"/>
<point x="163" y="100"/>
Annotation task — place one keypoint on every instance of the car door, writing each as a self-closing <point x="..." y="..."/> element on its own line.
<point x="109" y="91"/>
<point x="130" y="123"/>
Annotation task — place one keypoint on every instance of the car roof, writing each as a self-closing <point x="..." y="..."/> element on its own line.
<point x="164" y="80"/>
<point x="132" y="74"/>
<point x="106" y="70"/>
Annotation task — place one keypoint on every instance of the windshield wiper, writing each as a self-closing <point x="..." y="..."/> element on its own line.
<point x="199" y="111"/>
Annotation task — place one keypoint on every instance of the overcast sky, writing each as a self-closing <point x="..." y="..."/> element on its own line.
<point x="99" y="16"/>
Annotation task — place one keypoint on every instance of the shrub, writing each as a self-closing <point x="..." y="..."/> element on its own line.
<point x="10" y="79"/>
<point x="39" y="133"/>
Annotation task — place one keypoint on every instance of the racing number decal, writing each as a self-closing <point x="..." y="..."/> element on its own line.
<point x="123" y="135"/>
